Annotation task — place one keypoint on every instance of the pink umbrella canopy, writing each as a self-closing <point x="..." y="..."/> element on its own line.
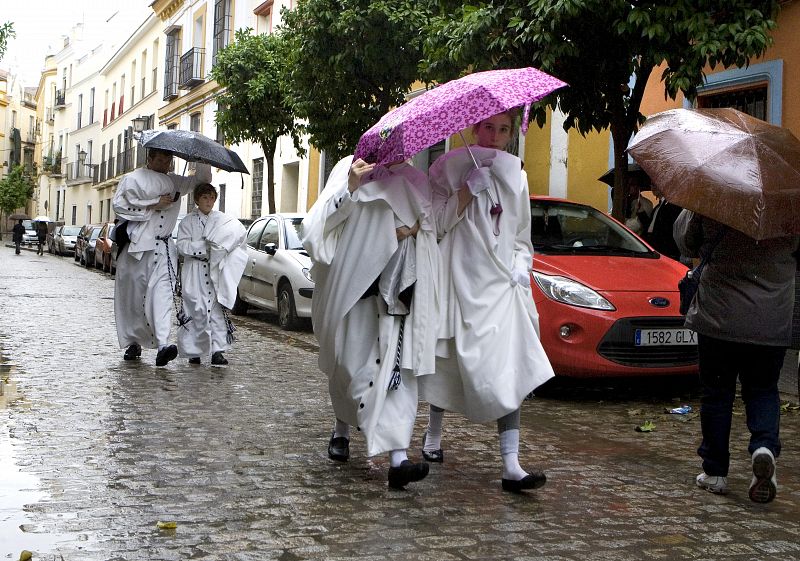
<point x="450" y="108"/>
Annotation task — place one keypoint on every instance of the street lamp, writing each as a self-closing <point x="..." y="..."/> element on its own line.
<point x="140" y="124"/>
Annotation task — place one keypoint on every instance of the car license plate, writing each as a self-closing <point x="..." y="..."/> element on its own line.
<point x="664" y="337"/>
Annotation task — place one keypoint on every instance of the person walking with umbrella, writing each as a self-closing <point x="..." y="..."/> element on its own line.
<point x="372" y="241"/>
<point x="488" y="356"/>
<point x="148" y="200"/>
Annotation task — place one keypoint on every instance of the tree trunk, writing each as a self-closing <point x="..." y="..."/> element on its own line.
<point x="269" y="146"/>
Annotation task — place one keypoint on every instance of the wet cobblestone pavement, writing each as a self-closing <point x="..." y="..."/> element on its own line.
<point x="96" y="451"/>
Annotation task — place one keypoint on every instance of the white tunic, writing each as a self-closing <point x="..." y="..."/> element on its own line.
<point x="143" y="284"/>
<point x="489" y="356"/>
<point x="351" y="240"/>
<point x="209" y="271"/>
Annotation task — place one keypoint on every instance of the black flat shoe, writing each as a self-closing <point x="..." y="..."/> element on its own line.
<point x="531" y="481"/>
<point x="133" y="352"/>
<point x="339" y="449"/>
<point x="168" y="353"/>
<point x="407" y="472"/>
<point x="433" y="456"/>
<point x="195" y="360"/>
<point x="218" y="359"/>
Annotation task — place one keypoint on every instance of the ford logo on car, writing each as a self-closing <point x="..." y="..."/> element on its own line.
<point x="659" y="302"/>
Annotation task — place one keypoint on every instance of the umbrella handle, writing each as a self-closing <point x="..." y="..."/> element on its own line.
<point x="474" y="161"/>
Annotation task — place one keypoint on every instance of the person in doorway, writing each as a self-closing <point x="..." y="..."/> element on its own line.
<point x="373" y="246"/>
<point x="659" y="231"/>
<point x="16" y="234"/>
<point x="742" y="313"/>
<point x="147" y="202"/>
<point x="41" y="237"/>
<point x="488" y="356"/>
<point x="213" y="247"/>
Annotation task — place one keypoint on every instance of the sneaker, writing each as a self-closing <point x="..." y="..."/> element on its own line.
<point x="218" y="359"/>
<point x="764" y="485"/>
<point x="168" y="353"/>
<point x="133" y="352"/>
<point x="712" y="483"/>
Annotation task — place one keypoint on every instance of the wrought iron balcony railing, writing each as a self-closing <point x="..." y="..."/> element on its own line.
<point x="191" y="68"/>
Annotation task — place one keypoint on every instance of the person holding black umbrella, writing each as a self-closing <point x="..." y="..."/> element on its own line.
<point x="148" y="200"/>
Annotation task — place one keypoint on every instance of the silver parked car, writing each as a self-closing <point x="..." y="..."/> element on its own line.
<point x="277" y="275"/>
<point x="64" y="240"/>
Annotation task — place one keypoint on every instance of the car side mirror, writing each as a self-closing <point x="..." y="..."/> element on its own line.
<point x="270" y="248"/>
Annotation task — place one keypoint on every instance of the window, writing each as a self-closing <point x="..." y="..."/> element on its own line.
<point x="222" y="197"/>
<point x="155" y="66"/>
<point x="222" y="26"/>
<point x="91" y="106"/>
<point x="263" y="15"/>
<point x="80" y="109"/>
<point x="113" y="101"/>
<point x="132" y="100"/>
<point x="255" y="233"/>
<point x="101" y="209"/>
<point x="270" y="234"/>
<point x="143" y="91"/>
<point x="258" y="184"/>
<point x="171" y="62"/>
<point x="121" y="94"/>
<point x="89" y="152"/>
<point x="194" y="122"/>
<point x="105" y="110"/>
<point x="751" y="100"/>
<point x="74" y="212"/>
<point x="13" y="119"/>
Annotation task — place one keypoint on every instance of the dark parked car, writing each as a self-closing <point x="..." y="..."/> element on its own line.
<point x="90" y="242"/>
<point x="81" y="240"/>
<point x="64" y="240"/>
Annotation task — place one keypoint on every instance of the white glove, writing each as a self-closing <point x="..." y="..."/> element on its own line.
<point x="521" y="277"/>
<point x="479" y="179"/>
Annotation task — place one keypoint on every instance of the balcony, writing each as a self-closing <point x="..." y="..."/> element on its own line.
<point x="52" y="165"/>
<point x="78" y="172"/>
<point x="191" y="69"/>
<point x="50" y="115"/>
<point x="61" y="99"/>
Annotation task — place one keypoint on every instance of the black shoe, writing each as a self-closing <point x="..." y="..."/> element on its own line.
<point x="132" y="352"/>
<point x="434" y="456"/>
<point x="531" y="481"/>
<point x="194" y="360"/>
<point x="407" y="472"/>
<point x="339" y="449"/>
<point x="168" y="353"/>
<point x="217" y="359"/>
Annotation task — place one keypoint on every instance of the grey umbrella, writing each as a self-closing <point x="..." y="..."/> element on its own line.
<point x="193" y="147"/>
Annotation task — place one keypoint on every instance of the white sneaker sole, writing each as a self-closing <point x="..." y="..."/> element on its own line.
<point x="763" y="488"/>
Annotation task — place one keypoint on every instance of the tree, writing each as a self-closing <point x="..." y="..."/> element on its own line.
<point x="350" y="62"/>
<point x="253" y="105"/>
<point x="604" y="49"/>
<point x="15" y="190"/>
<point x="6" y="33"/>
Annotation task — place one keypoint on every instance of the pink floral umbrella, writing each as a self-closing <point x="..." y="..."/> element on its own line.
<point x="447" y="109"/>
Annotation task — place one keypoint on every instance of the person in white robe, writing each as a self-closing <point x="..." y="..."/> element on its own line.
<point x="147" y="204"/>
<point x="214" y="257"/>
<point x="489" y="357"/>
<point x="372" y="242"/>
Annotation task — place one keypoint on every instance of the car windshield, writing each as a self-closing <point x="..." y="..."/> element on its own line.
<point x="559" y="227"/>
<point x="28" y="224"/>
<point x="293" y="233"/>
<point x="95" y="233"/>
<point x="70" y="230"/>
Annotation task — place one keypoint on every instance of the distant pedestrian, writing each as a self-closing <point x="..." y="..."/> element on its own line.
<point x="147" y="202"/>
<point x="373" y="245"/>
<point x="212" y="245"/>
<point x="41" y="237"/>
<point x="659" y="231"/>
<point x="742" y="313"/>
<point x="16" y="234"/>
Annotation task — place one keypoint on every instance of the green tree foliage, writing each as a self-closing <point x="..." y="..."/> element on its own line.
<point x="6" y="33"/>
<point x="15" y="190"/>
<point x="253" y="104"/>
<point x="604" y="49"/>
<point x="350" y="62"/>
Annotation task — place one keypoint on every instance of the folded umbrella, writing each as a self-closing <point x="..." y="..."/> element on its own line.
<point x="193" y="147"/>
<point x="726" y="165"/>
<point x="450" y="108"/>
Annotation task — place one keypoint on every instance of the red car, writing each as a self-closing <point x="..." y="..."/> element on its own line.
<point x="608" y="303"/>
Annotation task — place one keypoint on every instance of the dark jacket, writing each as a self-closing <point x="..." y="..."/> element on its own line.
<point x="746" y="293"/>
<point x="17" y="232"/>
<point x="660" y="238"/>
<point x="41" y="231"/>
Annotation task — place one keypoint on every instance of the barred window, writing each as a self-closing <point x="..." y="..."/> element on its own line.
<point x="258" y="186"/>
<point x="751" y="100"/>
<point x="222" y="26"/>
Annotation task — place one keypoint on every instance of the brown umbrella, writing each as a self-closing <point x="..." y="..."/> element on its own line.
<point x="726" y="165"/>
<point x="19" y="216"/>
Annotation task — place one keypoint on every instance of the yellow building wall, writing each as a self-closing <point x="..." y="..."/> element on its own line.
<point x="313" y="176"/>
<point x="537" y="158"/>
<point x="588" y="160"/>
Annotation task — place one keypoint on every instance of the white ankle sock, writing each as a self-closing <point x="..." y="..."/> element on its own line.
<point x="433" y="439"/>
<point x="341" y="429"/>
<point x="509" y="451"/>
<point x="397" y="457"/>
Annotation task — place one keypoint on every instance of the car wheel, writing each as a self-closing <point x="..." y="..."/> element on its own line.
<point x="287" y="314"/>
<point x="239" y="306"/>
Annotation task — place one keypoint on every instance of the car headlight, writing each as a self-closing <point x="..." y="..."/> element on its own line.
<point x="307" y="274"/>
<point x="573" y="293"/>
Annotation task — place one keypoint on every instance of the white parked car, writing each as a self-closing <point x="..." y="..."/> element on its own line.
<point x="277" y="276"/>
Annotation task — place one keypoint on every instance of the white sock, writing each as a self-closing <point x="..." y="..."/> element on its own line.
<point x="161" y="347"/>
<point x="433" y="440"/>
<point x="509" y="451"/>
<point x="341" y="429"/>
<point x="397" y="457"/>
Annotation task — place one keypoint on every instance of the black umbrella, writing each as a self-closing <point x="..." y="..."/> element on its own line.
<point x="634" y="170"/>
<point x="193" y="147"/>
<point x="19" y="216"/>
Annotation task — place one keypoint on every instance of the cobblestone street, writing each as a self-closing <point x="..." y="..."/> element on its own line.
<point x="96" y="451"/>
